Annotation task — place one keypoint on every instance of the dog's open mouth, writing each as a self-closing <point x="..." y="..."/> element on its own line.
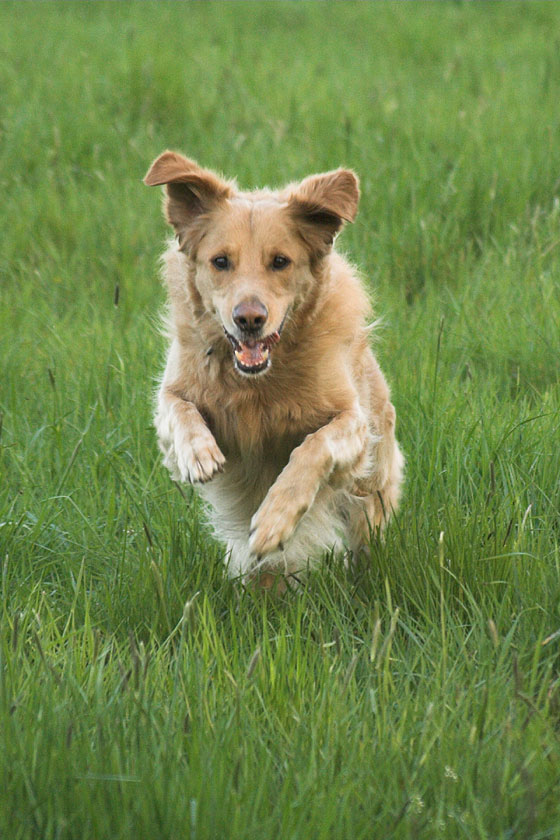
<point x="253" y="355"/>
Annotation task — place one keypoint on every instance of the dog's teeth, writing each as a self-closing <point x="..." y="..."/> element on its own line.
<point x="260" y="359"/>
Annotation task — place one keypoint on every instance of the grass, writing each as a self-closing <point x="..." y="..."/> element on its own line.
<point x="141" y="693"/>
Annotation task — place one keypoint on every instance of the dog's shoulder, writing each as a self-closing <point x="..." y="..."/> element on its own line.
<point x="347" y="302"/>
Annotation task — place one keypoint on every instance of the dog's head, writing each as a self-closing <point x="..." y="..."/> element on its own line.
<point x="254" y="255"/>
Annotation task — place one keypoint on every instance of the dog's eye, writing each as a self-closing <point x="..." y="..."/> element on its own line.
<point x="221" y="263"/>
<point x="279" y="262"/>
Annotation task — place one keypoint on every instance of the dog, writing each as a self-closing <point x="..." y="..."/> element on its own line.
<point x="272" y="402"/>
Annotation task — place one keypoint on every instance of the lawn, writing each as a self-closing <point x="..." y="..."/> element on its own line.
<point x="142" y="694"/>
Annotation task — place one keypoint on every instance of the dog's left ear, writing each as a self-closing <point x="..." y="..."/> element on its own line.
<point x="322" y="203"/>
<point x="191" y="191"/>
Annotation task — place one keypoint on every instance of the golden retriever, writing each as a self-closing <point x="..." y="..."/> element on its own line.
<point x="272" y="402"/>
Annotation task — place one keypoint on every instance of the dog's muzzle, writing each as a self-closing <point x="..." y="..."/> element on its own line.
<point x="253" y="355"/>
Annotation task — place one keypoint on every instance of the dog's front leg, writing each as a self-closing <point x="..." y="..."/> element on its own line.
<point x="190" y="451"/>
<point x="334" y="448"/>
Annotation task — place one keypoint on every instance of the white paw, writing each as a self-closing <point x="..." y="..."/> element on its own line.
<point x="276" y="519"/>
<point x="194" y="459"/>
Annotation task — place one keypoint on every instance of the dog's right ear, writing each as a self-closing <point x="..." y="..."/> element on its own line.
<point x="322" y="203"/>
<point x="191" y="191"/>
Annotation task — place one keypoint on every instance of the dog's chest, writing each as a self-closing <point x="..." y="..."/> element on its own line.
<point x="253" y="424"/>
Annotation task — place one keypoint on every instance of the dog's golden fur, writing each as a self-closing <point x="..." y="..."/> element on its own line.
<point x="287" y="427"/>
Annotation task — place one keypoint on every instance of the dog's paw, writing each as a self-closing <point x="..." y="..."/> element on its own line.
<point x="275" y="521"/>
<point x="200" y="458"/>
<point x="194" y="460"/>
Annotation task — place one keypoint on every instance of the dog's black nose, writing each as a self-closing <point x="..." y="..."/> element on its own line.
<point x="250" y="315"/>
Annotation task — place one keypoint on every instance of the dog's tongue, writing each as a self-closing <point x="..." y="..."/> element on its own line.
<point x="252" y="354"/>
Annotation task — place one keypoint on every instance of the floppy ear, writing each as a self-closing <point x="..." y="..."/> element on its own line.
<point x="191" y="190"/>
<point x="322" y="203"/>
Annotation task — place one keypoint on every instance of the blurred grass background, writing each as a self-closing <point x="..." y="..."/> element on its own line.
<point x="141" y="693"/>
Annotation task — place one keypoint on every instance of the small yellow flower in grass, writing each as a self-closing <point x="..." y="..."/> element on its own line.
<point x="416" y="803"/>
<point x="451" y="774"/>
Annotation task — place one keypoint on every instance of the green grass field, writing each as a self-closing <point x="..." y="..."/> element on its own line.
<point x="142" y="694"/>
